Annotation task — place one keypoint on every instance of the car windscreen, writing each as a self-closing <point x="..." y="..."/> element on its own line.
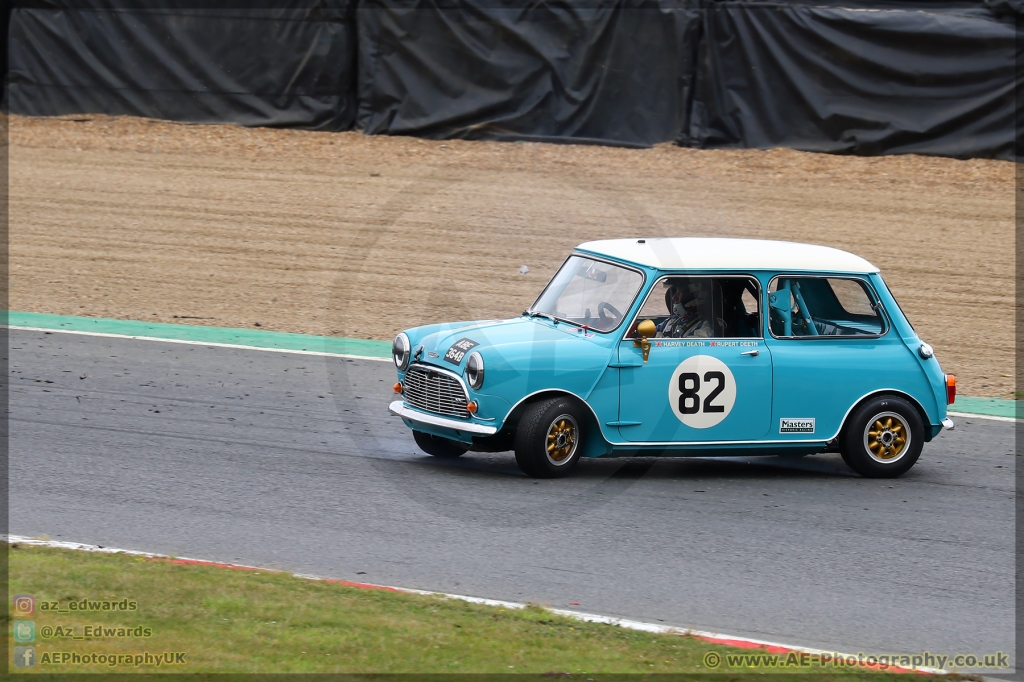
<point x="590" y="292"/>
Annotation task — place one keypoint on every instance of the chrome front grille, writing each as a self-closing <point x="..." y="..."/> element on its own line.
<point x="434" y="391"/>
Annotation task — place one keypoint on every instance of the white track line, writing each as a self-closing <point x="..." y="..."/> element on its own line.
<point x="325" y="354"/>
<point x="971" y="415"/>
<point x="713" y="637"/>
<point x="202" y="343"/>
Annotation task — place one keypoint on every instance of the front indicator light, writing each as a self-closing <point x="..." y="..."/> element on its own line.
<point x="398" y="387"/>
<point x="950" y="389"/>
<point x="472" y="407"/>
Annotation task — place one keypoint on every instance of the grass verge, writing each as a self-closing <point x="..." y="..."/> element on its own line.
<point x="261" y="621"/>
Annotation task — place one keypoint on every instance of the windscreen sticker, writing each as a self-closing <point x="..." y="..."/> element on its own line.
<point x="701" y="391"/>
<point x="459" y="349"/>
<point x="791" y="425"/>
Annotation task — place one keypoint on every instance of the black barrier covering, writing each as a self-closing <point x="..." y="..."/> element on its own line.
<point x="288" y="64"/>
<point x="845" y="76"/>
<point x="924" y="78"/>
<point x="818" y="75"/>
<point x="614" y="72"/>
<point x="5" y="22"/>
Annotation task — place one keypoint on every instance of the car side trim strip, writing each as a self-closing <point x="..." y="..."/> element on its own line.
<point x="399" y="408"/>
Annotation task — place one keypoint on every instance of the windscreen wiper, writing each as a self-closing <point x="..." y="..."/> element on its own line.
<point x="537" y="313"/>
<point x="549" y="316"/>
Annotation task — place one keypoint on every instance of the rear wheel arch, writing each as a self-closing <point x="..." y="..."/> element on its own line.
<point x="884" y="436"/>
<point x="881" y="394"/>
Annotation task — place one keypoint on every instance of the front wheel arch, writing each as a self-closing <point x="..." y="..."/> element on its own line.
<point x="595" y="444"/>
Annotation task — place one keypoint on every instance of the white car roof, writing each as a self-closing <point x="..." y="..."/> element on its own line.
<point x="703" y="253"/>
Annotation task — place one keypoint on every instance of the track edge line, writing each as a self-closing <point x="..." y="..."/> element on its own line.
<point x="629" y="624"/>
<point x="215" y="344"/>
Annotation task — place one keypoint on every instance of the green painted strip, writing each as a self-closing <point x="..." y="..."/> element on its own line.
<point x="259" y="338"/>
<point x="255" y="338"/>
<point x="996" y="407"/>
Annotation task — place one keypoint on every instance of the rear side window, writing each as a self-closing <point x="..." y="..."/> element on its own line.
<point x="822" y="306"/>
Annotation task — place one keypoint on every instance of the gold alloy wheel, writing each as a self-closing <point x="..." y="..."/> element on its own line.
<point x="887" y="437"/>
<point x="563" y="437"/>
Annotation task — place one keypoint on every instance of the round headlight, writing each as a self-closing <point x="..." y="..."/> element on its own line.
<point x="926" y="351"/>
<point x="475" y="370"/>
<point x="400" y="351"/>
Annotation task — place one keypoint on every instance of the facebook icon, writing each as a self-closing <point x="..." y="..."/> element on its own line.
<point x="24" y="656"/>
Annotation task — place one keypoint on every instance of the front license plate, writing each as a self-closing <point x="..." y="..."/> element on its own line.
<point x="459" y="349"/>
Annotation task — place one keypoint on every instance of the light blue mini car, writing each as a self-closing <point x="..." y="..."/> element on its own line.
<point x="683" y="347"/>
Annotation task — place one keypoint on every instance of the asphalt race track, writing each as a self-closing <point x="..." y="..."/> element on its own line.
<point x="292" y="461"/>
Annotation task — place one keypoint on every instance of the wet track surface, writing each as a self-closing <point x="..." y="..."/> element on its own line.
<point x="293" y="462"/>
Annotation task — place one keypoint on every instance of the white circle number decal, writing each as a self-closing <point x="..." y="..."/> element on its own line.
<point x="702" y="391"/>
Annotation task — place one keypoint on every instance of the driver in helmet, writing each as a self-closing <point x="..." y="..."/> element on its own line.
<point x="687" y="301"/>
<point x="675" y="310"/>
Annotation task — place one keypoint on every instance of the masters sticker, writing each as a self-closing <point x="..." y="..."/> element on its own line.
<point x="459" y="350"/>
<point x="787" y="425"/>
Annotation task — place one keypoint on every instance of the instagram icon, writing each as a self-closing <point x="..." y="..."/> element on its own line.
<point x="24" y="605"/>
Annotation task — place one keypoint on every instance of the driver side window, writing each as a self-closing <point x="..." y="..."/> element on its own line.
<point x="704" y="307"/>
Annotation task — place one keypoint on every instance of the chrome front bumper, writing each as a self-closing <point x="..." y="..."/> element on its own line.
<point x="948" y="424"/>
<point x="399" y="408"/>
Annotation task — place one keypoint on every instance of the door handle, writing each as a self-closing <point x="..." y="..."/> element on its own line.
<point x="752" y="353"/>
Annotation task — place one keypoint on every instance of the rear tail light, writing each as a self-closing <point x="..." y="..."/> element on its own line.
<point x="950" y="389"/>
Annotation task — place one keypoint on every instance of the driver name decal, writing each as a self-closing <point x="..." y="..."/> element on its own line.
<point x="459" y="349"/>
<point x="702" y="391"/>
<point x="703" y="344"/>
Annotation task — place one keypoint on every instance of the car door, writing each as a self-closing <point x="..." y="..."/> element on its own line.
<point x="708" y="376"/>
<point x="830" y="347"/>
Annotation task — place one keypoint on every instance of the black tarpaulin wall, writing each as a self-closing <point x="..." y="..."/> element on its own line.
<point x="851" y="77"/>
<point x="287" y="65"/>
<point x="616" y="72"/>
<point x="845" y="76"/>
<point x="924" y="78"/>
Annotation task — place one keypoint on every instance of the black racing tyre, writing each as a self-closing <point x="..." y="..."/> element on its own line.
<point x="883" y="437"/>
<point x="549" y="439"/>
<point x="439" y="447"/>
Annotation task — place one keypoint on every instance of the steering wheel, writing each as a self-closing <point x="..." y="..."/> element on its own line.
<point x="615" y="315"/>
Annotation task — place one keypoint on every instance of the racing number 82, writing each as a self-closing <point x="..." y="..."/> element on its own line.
<point x="689" y="387"/>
